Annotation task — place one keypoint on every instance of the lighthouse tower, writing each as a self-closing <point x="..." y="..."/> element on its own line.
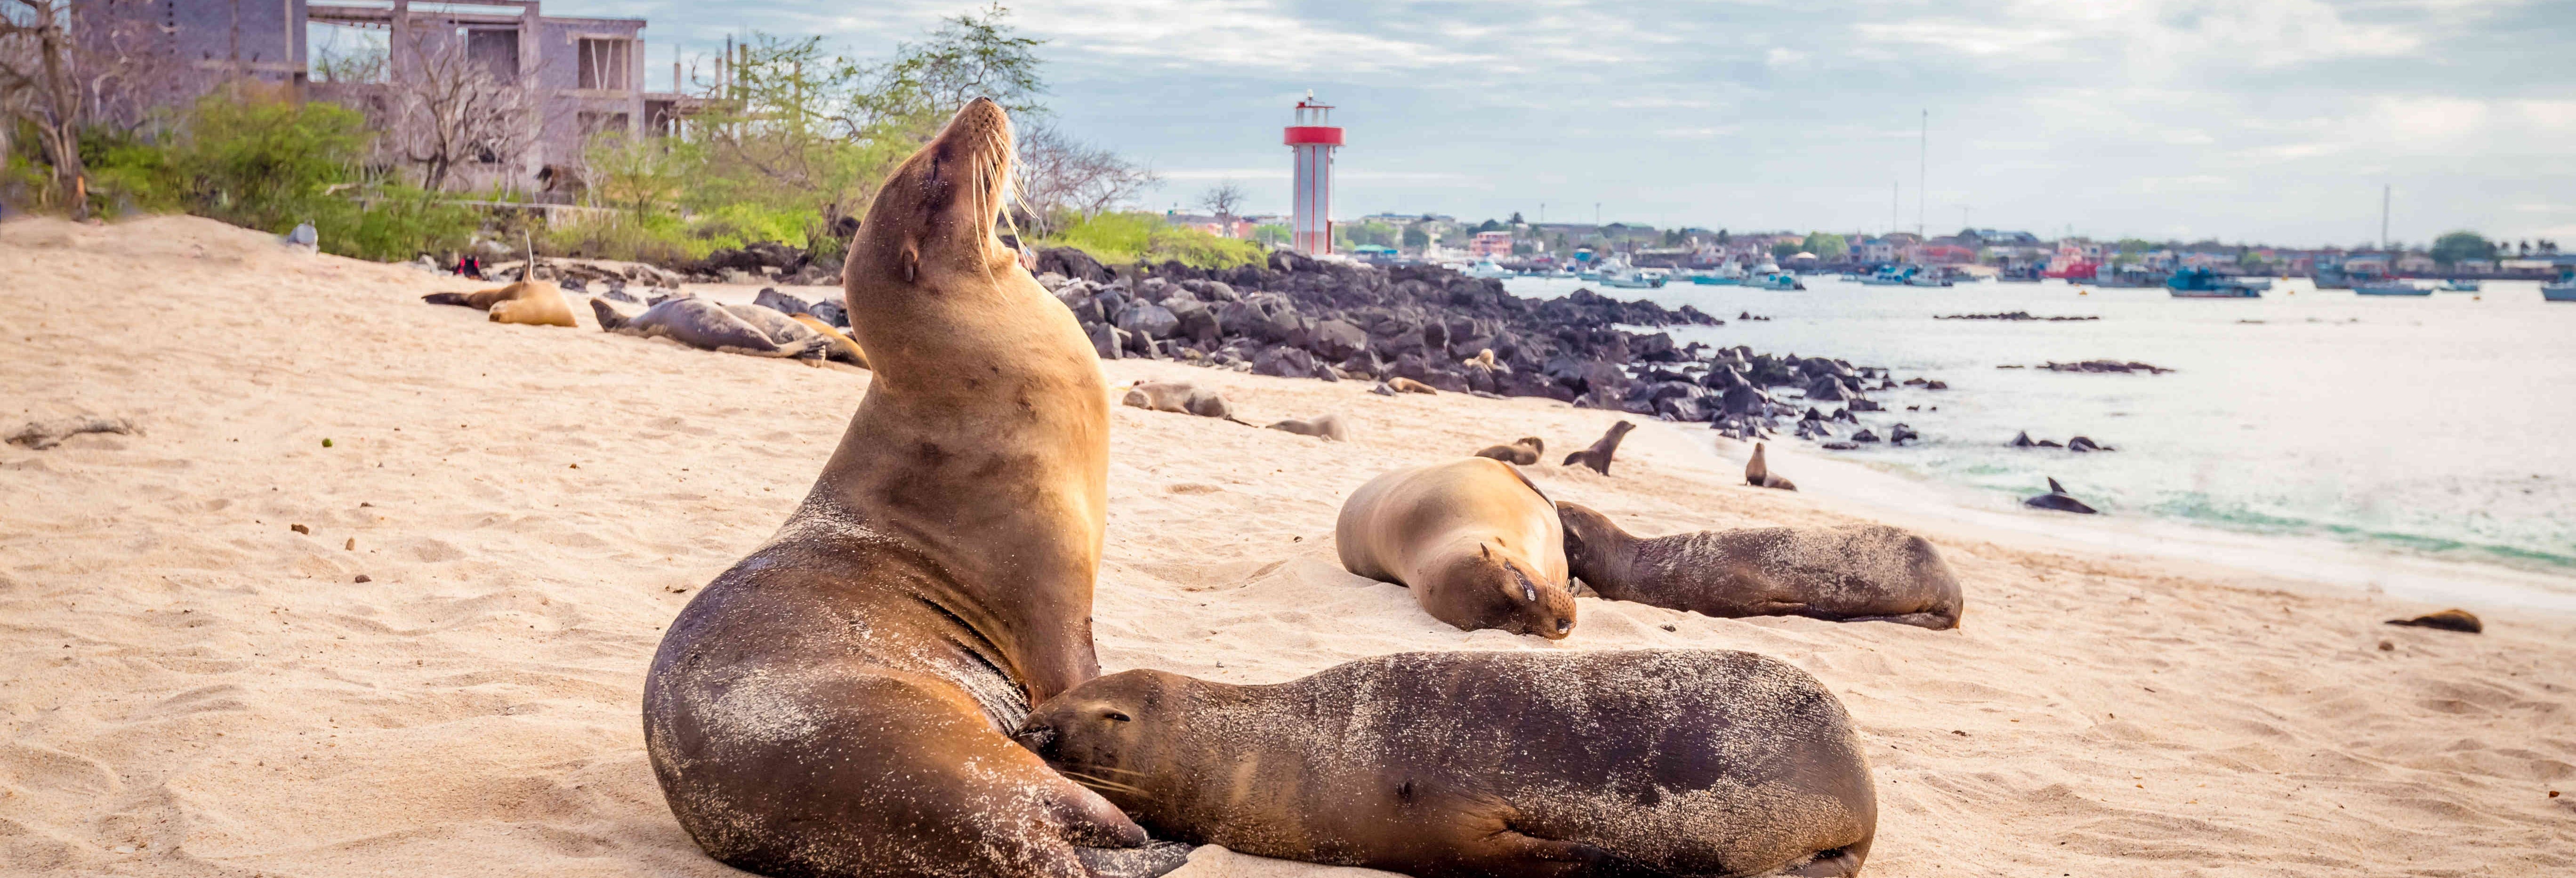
<point x="1313" y="140"/>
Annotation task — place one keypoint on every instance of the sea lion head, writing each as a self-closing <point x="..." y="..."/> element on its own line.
<point x="1536" y="445"/>
<point x="1107" y="733"/>
<point x="932" y="222"/>
<point x="1500" y="590"/>
<point x="1594" y="545"/>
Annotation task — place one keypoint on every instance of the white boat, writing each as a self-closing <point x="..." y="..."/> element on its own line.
<point x="1888" y="276"/>
<point x="1618" y="273"/>
<point x="1490" y="269"/>
<point x="2562" y="291"/>
<point x="2457" y="286"/>
<point x="1931" y="278"/>
<point x="1777" y="280"/>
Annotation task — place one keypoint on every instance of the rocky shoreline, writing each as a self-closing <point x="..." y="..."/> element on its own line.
<point x="1336" y="321"/>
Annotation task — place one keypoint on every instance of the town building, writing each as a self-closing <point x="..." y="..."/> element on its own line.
<point x="585" y="75"/>
<point x="1490" y="245"/>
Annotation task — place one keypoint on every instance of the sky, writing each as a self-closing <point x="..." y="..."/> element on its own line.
<point x="2273" y="121"/>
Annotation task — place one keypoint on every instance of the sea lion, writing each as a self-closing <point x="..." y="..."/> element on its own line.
<point x="1598" y="456"/>
<point x="839" y="347"/>
<point x="1524" y="451"/>
<point x="1178" y="396"/>
<point x="1408" y="385"/>
<point x="1484" y="359"/>
<point x="527" y="302"/>
<point x="837" y="702"/>
<point x="1327" y="426"/>
<point x="1866" y="573"/>
<point x="699" y="323"/>
<point x="2454" y="619"/>
<point x="1476" y="542"/>
<point x="2057" y="499"/>
<point x="1758" y="474"/>
<point x="1645" y="763"/>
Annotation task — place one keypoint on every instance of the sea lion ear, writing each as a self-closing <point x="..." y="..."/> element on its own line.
<point x="911" y="259"/>
<point x="1488" y="550"/>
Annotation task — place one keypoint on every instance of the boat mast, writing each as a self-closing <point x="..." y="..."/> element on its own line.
<point x="1922" y="170"/>
<point x="2383" y="216"/>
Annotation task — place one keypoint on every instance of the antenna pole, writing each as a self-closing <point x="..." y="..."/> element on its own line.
<point x="2383" y="216"/>
<point x="1922" y="170"/>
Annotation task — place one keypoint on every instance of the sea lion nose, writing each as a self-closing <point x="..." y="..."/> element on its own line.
<point x="1039" y="739"/>
<point x="1564" y="625"/>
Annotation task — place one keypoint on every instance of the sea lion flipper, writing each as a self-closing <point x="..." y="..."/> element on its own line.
<point x="2055" y="488"/>
<point x="444" y="298"/>
<point x="1149" y="860"/>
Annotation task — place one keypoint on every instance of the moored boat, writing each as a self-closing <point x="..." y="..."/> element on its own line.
<point x="1778" y="280"/>
<point x="2562" y="291"/>
<point x="2202" y="283"/>
<point x="2456" y="285"/>
<point x="2389" y="286"/>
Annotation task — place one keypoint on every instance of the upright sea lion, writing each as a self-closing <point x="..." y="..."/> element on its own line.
<point x="1652" y="763"/>
<point x="1598" y="456"/>
<point x="840" y="348"/>
<point x="1327" y="426"/>
<point x="529" y="302"/>
<point x="837" y="702"/>
<point x="1476" y="542"/>
<point x="2057" y="499"/>
<point x="1867" y="573"/>
<point x="699" y="323"/>
<point x="1524" y="451"/>
<point x="1758" y="474"/>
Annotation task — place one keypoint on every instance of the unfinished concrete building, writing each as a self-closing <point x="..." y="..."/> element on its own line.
<point x="581" y="76"/>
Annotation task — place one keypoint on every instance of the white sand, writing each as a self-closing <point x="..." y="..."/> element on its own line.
<point x="189" y="687"/>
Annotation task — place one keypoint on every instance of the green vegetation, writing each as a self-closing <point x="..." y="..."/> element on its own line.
<point x="1128" y="238"/>
<point x="2463" y="246"/>
<point x="1784" y="249"/>
<point x="1826" y="246"/>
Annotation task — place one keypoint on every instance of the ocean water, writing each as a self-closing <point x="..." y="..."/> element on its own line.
<point x="2439" y="427"/>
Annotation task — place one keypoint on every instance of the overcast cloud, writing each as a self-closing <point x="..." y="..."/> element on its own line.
<point x="2261" y="120"/>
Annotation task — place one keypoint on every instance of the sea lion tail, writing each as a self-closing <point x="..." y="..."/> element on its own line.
<point x="445" y="299"/>
<point x="1230" y="416"/>
<point x="609" y="318"/>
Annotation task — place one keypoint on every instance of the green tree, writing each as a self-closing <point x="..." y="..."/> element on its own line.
<point x="1826" y="246"/>
<point x="1415" y="238"/>
<point x="2461" y="246"/>
<point x="1784" y="249"/>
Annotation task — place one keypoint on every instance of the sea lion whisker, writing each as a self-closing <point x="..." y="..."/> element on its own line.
<point x="1102" y="783"/>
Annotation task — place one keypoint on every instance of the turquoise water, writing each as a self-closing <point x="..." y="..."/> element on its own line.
<point x="2442" y="426"/>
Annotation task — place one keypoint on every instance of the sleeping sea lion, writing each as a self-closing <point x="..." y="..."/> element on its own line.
<point x="1758" y="474"/>
<point x="1476" y="542"/>
<point x="839" y="348"/>
<point x="702" y="324"/>
<point x="1408" y="385"/>
<point x="2057" y="499"/>
<point x="1327" y="426"/>
<point x="1598" y="456"/>
<point x="1865" y="573"/>
<point x="837" y="702"/>
<point x="528" y="302"/>
<point x="1524" y="451"/>
<point x="1575" y="763"/>
<point x="1179" y="396"/>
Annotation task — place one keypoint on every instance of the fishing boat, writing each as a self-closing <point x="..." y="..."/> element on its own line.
<point x="1490" y="269"/>
<point x="2202" y="283"/>
<point x="1617" y="273"/>
<point x="1722" y="276"/>
<point x="1778" y="280"/>
<point x="2389" y="286"/>
<point x="2562" y="291"/>
<point x="1889" y="276"/>
<point x="2457" y="286"/>
<point x="1931" y="278"/>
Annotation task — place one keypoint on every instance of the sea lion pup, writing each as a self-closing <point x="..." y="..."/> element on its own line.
<point x="702" y="324"/>
<point x="839" y="348"/>
<point x="2057" y="499"/>
<point x="1524" y="451"/>
<point x="1866" y="573"/>
<point x="837" y="702"/>
<point x="527" y="302"/>
<point x="1327" y="426"/>
<point x="1476" y="542"/>
<point x="1647" y="763"/>
<point x="1598" y="456"/>
<point x="1408" y="385"/>
<point x="1758" y="474"/>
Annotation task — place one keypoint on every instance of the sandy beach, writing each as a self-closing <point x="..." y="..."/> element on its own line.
<point x="191" y="686"/>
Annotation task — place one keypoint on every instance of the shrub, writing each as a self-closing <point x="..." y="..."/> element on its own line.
<point x="1143" y="237"/>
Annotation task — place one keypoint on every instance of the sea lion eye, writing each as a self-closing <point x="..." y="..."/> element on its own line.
<point x="1115" y="717"/>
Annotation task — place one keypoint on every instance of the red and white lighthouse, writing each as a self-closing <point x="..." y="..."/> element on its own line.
<point x="1313" y="140"/>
